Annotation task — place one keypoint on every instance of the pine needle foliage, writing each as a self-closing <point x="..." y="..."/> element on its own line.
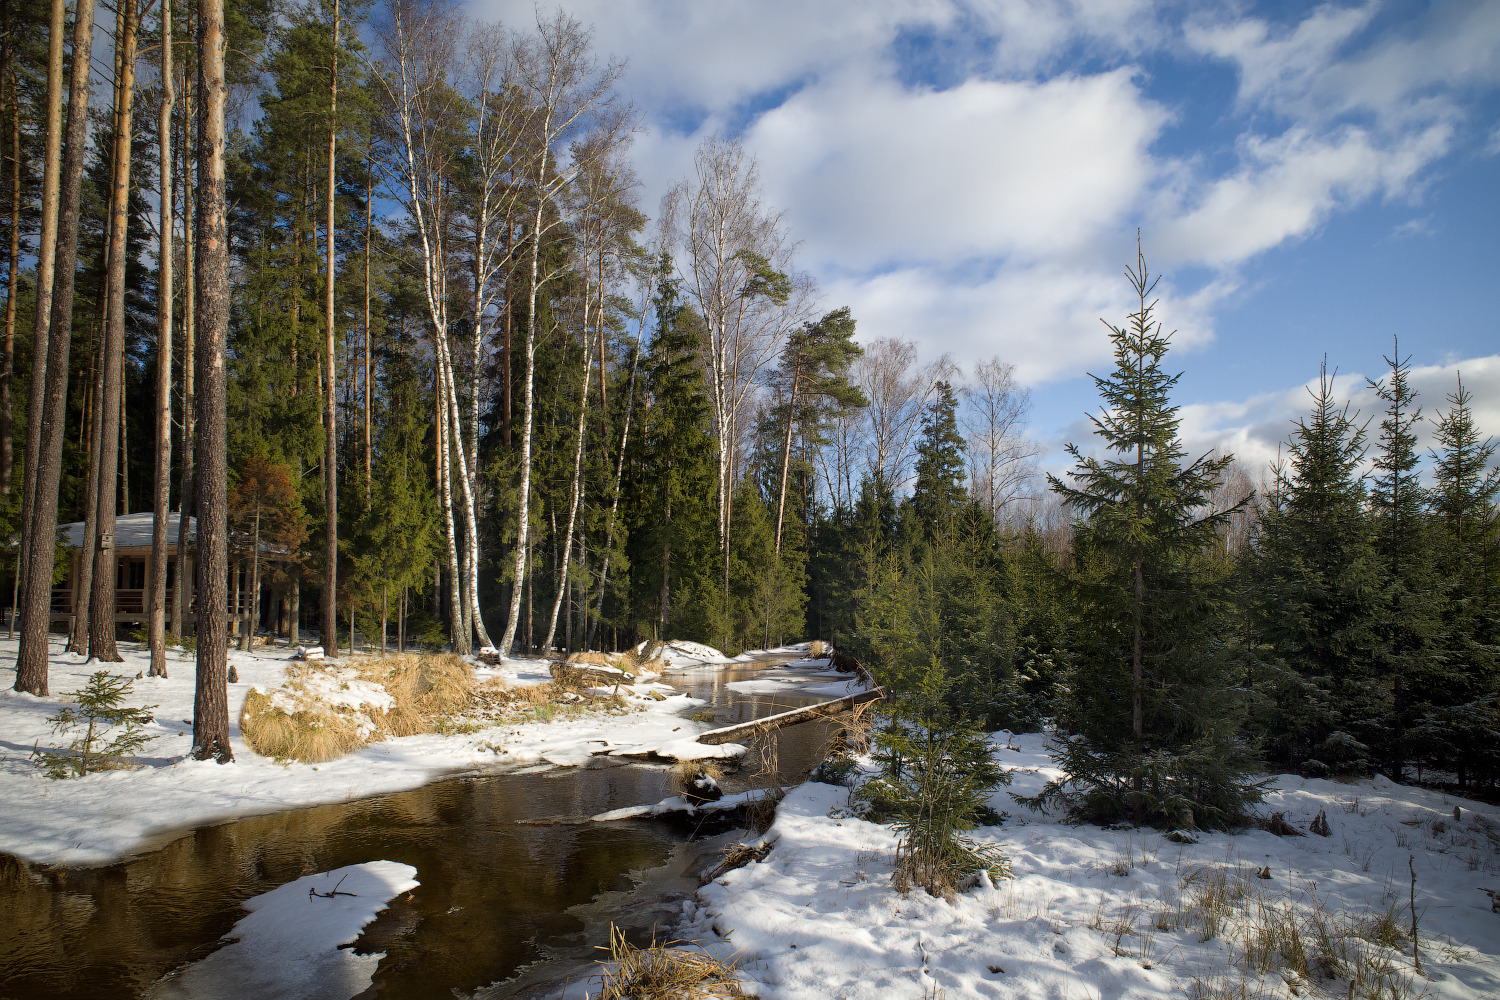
<point x="102" y="731"/>
<point x="1154" y="705"/>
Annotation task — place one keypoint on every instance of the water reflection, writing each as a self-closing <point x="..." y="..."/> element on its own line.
<point x="500" y="892"/>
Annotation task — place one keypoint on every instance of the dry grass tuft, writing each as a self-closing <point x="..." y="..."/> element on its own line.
<point x="428" y="690"/>
<point x="664" y="972"/>
<point x="310" y="735"/>
<point x="684" y="771"/>
<point x="427" y="693"/>
<point x="590" y="657"/>
<point x="817" y="649"/>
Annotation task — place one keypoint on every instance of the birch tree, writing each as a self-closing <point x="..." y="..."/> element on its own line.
<point x="897" y="389"/>
<point x="571" y="103"/>
<point x="1000" y="456"/>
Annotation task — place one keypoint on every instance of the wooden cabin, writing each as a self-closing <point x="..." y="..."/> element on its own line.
<point x="132" y="546"/>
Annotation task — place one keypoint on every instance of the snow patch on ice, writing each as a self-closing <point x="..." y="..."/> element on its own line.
<point x="289" y="945"/>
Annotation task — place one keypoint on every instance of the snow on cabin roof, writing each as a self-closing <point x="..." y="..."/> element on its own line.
<point x="131" y="531"/>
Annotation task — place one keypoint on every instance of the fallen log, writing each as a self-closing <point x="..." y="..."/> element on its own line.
<point x="822" y="710"/>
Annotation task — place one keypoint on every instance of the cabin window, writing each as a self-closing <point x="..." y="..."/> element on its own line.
<point x="132" y="574"/>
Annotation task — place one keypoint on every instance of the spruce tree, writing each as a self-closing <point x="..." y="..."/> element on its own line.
<point x="1457" y="733"/>
<point x="1312" y="585"/>
<point x="1409" y="652"/>
<point x="939" y="494"/>
<point x="1153" y="708"/>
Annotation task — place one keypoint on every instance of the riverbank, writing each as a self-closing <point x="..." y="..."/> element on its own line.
<point x="113" y="814"/>
<point x="1094" y="914"/>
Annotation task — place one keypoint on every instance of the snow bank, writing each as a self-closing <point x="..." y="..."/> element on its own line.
<point x="818" y="918"/>
<point x="289" y="945"/>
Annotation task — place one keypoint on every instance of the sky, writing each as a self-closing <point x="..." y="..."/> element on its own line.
<point x="1307" y="179"/>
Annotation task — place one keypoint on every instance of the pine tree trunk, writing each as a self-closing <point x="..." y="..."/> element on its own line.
<point x="187" y="494"/>
<point x="369" y="450"/>
<point x="7" y="379"/>
<point x="78" y="637"/>
<point x="330" y="457"/>
<point x="31" y="661"/>
<point x="786" y="456"/>
<point x="294" y="612"/>
<point x="102" y="612"/>
<point x="162" y="497"/>
<point x="46" y="257"/>
<point x="211" y="699"/>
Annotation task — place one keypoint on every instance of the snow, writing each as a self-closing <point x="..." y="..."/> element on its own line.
<point x="693" y="750"/>
<point x="818" y="918"/>
<point x="289" y="945"/>
<point x="677" y="803"/>
<point x="105" y="816"/>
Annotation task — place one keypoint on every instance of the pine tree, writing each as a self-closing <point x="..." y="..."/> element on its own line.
<point x="1457" y="733"/>
<point x="939" y="494"/>
<point x="1409" y="652"/>
<point x="1312" y="586"/>
<point x="1153" y="708"/>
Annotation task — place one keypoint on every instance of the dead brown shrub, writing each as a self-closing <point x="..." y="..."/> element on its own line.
<point x="664" y="972"/>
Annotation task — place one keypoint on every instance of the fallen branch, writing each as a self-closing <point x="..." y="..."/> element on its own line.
<point x="313" y="891"/>
<point x="822" y="710"/>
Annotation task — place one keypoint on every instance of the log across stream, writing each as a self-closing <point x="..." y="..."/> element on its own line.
<point x="514" y="890"/>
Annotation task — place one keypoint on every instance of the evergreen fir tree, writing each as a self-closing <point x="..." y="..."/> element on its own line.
<point x="939" y="494"/>
<point x="1409" y="652"/>
<point x="1312" y="590"/>
<point x="1153" y="704"/>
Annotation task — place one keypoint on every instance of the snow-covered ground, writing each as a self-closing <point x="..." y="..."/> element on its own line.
<point x="104" y="816"/>
<point x="291" y="944"/>
<point x="1094" y="914"/>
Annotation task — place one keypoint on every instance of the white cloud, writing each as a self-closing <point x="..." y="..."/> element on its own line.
<point x="874" y="174"/>
<point x="1254" y="427"/>
<point x="1287" y="186"/>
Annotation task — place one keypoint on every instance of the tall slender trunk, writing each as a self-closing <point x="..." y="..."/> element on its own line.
<point x="41" y="351"/>
<point x="583" y="412"/>
<point x="162" y="498"/>
<point x="369" y="451"/>
<point x="78" y="633"/>
<point x="445" y="495"/>
<point x="211" y="698"/>
<point x="102" y="613"/>
<point x="251" y="620"/>
<point x="330" y="456"/>
<point x="7" y="426"/>
<point x="523" y="513"/>
<point x="186" y="497"/>
<point x="786" y="455"/>
<point x="31" y="661"/>
<point x="614" y="507"/>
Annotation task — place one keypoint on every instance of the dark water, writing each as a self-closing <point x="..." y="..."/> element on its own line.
<point x="515" y="890"/>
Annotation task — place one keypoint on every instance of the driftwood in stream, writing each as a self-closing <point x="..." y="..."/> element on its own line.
<point x="822" y="710"/>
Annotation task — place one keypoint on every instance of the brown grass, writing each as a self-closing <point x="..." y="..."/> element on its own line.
<point x="596" y="659"/>
<point x="311" y="735"/>
<point x="664" y="972"/>
<point x="817" y="649"/>
<point x="684" y="771"/>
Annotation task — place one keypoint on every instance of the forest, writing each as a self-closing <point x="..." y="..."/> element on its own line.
<point x="481" y="397"/>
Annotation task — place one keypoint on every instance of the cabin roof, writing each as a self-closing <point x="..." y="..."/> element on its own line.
<point x="131" y="531"/>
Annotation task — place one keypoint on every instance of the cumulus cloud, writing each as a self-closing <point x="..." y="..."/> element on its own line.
<point x="1254" y="427"/>
<point x="970" y="174"/>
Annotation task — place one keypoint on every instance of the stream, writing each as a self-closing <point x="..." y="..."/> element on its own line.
<point x="517" y="888"/>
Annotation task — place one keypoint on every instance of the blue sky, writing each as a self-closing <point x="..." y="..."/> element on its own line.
<point x="1307" y="178"/>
